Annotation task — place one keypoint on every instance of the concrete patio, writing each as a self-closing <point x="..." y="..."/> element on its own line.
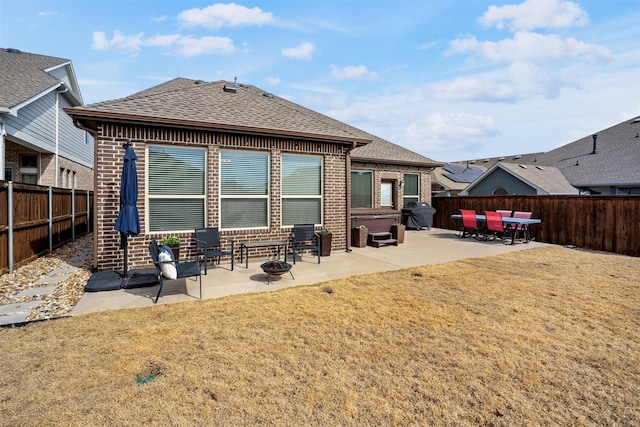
<point x="419" y="248"/>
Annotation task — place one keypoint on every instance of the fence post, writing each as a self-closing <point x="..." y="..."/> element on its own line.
<point x="50" y="219"/>
<point x="10" y="224"/>
<point x="73" y="214"/>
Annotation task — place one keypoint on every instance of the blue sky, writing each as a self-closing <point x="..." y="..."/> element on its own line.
<point x="448" y="79"/>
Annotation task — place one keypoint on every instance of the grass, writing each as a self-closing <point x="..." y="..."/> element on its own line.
<point x="546" y="336"/>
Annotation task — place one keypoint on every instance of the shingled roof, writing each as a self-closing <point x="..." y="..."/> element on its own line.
<point x="219" y="105"/>
<point x="25" y="76"/>
<point x="247" y="109"/>
<point x="614" y="162"/>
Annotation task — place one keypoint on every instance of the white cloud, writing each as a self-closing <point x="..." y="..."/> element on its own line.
<point x="474" y="89"/>
<point x="191" y="46"/>
<point x="533" y="14"/>
<point x="447" y="133"/>
<point x="532" y="47"/>
<point x="352" y="72"/>
<point x="221" y="15"/>
<point x="118" y="41"/>
<point x="186" y="46"/>
<point x="302" y="51"/>
<point x="49" y="13"/>
<point x="273" y="81"/>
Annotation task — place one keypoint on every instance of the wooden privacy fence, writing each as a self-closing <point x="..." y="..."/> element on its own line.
<point x="35" y="219"/>
<point x="603" y="223"/>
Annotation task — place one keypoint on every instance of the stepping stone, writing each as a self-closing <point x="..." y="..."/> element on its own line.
<point x="49" y="280"/>
<point x="64" y="269"/>
<point x="17" y="308"/>
<point x="48" y="290"/>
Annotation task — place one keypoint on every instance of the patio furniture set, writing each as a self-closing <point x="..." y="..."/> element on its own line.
<point x="208" y="246"/>
<point x="494" y="224"/>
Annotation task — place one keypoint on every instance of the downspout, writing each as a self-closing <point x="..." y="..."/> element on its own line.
<point x="56" y="172"/>
<point x="348" y="195"/>
<point x="3" y="132"/>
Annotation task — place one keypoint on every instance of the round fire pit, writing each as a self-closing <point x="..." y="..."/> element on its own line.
<point x="276" y="268"/>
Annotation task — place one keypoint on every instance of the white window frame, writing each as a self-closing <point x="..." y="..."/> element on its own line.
<point x="410" y="196"/>
<point x="319" y="197"/>
<point x="149" y="197"/>
<point x="266" y="196"/>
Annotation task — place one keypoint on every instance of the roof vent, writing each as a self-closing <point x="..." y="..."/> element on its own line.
<point x="12" y="50"/>
<point x="523" y="166"/>
<point x="243" y="86"/>
<point x="229" y="88"/>
<point x="540" y="167"/>
<point x="518" y="156"/>
<point x="199" y="82"/>
<point x="485" y="160"/>
<point x="267" y="95"/>
<point x="501" y="159"/>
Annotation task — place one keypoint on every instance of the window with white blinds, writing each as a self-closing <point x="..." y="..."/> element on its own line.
<point x="361" y="189"/>
<point x="176" y="183"/>
<point x="301" y="189"/>
<point x="244" y="189"/>
<point x="411" y="192"/>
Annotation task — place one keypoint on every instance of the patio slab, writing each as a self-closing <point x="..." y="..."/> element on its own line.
<point x="421" y="247"/>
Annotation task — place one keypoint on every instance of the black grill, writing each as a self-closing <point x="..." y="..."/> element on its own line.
<point x="418" y="215"/>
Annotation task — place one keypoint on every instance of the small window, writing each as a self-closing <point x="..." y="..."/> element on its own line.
<point x="29" y="169"/>
<point x="411" y="190"/>
<point x="361" y="189"/>
<point x="386" y="194"/>
<point x="499" y="192"/>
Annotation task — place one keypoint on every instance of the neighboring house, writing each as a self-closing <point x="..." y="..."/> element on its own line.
<point x="519" y="179"/>
<point x="39" y="143"/>
<point x="450" y="179"/>
<point x="232" y="156"/>
<point x="603" y="163"/>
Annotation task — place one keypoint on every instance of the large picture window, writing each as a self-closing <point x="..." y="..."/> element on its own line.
<point x="176" y="183"/>
<point x="301" y="189"/>
<point x="244" y="189"/>
<point x="411" y="192"/>
<point x="361" y="189"/>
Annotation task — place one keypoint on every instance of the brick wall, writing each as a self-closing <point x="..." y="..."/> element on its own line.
<point x="108" y="169"/>
<point x="71" y="174"/>
<point x="395" y="174"/>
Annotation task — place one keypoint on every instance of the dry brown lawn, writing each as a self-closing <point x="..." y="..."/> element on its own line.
<point x="547" y="336"/>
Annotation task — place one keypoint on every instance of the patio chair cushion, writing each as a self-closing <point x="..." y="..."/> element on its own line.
<point x="167" y="266"/>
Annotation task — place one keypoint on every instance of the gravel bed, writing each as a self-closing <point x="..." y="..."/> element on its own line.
<point x="74" y="259"/>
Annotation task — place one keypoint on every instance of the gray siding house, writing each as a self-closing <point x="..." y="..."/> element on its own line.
<point x="39" y="143"/>
<point x="519" y="179"/>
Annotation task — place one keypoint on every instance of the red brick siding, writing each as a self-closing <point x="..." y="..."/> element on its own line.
<point x="109" y="165"/>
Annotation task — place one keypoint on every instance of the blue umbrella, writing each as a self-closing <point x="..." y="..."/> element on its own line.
<point x="128" y="222"/>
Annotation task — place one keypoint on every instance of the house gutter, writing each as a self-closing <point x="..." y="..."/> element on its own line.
<point x="398" y="162"/>
<point x="57" y="142"/>
<point x="93" y="115"/>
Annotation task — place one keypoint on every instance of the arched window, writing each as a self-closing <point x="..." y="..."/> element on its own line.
<point x="499" y="192"/>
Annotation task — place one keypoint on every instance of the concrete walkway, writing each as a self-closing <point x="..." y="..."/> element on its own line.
<point x="419" y="248"/>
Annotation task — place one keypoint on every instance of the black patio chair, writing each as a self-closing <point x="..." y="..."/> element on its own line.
<point x="304" y="237"/>
<point x="184" y="267"/>
<point x="208" y="246"/>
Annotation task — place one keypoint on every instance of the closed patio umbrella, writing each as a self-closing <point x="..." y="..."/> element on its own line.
<point x="128" y="222"/>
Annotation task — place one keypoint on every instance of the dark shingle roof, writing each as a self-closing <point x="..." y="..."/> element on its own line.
<point x="616" y="161"/>
<point x="194" y="102"/>
<point x="22" y="75"/>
